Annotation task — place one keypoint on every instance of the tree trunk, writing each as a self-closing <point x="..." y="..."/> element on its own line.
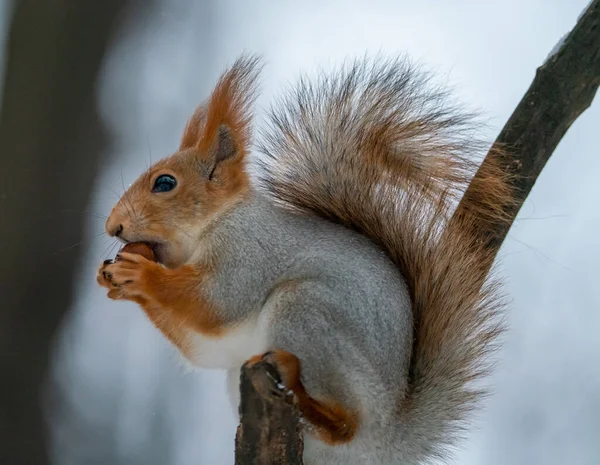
<point x="51" y="142"/>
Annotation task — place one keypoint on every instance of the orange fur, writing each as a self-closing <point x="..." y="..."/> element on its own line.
<point x="230" y="105"/>
<point x="191" y="133"/>
<point x="172" y="299"/>
<point x="330" y="422"/>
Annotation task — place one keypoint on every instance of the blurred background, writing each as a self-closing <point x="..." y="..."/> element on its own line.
<point x="93" y="92"/>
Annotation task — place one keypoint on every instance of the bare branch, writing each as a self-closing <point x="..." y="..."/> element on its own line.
<point x="563" y="88"/>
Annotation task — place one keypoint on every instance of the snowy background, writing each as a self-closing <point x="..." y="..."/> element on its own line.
<point x="126" y="399"/>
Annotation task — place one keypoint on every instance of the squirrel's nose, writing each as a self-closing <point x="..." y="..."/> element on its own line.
<point x="114" y="228"/>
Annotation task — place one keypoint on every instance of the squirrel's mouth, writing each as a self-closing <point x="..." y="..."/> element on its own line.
<point x="159" y="250"/>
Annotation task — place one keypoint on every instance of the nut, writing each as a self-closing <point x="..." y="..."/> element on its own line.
<point x="139" y="248"/>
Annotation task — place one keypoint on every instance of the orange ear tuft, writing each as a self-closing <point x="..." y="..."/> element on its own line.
<point x="221" y="126"/>
<point x="191" y="133"/>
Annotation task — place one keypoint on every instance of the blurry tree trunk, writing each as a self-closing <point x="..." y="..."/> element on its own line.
<point x="51" y="141"/>
<point x="563" y="88"/>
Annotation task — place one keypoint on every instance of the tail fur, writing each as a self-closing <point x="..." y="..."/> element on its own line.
<point x="379" y="149"/>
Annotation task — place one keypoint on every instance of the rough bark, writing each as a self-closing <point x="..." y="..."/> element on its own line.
<point x="269" y="432"/>
<point x="51" y="142"/>
<point x="563" y="88"/>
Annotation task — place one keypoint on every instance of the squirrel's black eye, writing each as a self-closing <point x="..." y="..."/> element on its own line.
<point x="164" y="183"/>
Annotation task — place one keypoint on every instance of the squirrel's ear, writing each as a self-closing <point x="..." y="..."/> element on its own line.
<point x="221" y="128"/>
<point x="224" y="148"/>
<point x="193" y="128"/>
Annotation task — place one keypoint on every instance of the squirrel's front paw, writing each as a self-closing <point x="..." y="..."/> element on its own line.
<point x="127" y="277"/>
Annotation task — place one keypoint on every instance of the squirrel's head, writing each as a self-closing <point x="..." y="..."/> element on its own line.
<point x="172" y="203"/>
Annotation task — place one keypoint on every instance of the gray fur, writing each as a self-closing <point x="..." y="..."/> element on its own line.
<point x="348" y="320"/>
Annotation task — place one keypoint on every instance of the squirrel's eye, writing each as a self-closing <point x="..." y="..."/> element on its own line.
<point x="164" y="183"/>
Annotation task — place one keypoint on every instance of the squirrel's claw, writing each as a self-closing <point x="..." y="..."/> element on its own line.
<point x="125" y="276"/>
<point x="286" y="364"/>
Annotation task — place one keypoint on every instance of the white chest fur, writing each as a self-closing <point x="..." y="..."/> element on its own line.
<point x="231" y="349"/>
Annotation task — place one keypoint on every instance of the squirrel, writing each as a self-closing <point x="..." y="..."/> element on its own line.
<point x="328" y="252"/>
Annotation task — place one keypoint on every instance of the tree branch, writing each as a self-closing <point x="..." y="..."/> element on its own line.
<point x="563" y="88"/>
<point x="269" y="430"/>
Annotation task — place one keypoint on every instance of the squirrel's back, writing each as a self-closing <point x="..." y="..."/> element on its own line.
<point x="378" y="149"/>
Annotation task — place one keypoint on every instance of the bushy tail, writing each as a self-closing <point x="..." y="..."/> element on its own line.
<point x="378" y="148"/>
